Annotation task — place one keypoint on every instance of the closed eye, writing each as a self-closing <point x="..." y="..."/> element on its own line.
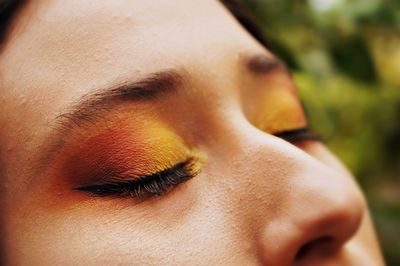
<point x="298" y="135"/>
<point x="147" y="186"/>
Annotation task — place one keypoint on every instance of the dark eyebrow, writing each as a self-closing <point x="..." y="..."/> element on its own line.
<point x="92" y="105"/>
<point x="95" y="104"/>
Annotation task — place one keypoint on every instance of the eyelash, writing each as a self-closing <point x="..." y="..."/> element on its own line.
<point x="160" y="183"/>
<point x="147" y="186"/>
<point x="297" y="136"/>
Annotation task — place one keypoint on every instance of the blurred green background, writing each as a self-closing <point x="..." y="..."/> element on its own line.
<point x="345" y="56"/>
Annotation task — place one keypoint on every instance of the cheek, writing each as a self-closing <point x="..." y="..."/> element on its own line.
<point x="107" y="233"/>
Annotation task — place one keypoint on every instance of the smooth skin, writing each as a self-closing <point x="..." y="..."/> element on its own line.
<point x="259" y="200"/>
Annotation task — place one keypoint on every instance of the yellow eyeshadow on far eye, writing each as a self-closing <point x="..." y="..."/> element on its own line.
<point x="279" y="111"/>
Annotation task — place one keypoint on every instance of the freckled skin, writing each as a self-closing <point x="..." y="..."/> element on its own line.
<point x="258" y="199"/>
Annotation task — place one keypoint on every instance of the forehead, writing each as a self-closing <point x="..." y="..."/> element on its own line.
<point x="62" y="49"/>
<point x="78" y="41"/>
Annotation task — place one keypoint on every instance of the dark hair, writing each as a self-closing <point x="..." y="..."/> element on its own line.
<point x="8" y="9"/>
<point x="246" y="19"/>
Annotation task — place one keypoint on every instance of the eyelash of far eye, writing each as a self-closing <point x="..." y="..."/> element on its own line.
<point x="298" y="135"/>
<point x="147" y="186"/>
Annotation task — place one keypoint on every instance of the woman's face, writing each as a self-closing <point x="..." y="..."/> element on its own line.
<point x="161" y="132"/>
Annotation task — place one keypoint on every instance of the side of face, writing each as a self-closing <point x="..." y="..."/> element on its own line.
<point x="72" y="125"/>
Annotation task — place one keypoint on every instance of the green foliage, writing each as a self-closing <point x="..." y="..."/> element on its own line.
<point x="345" y="55"/>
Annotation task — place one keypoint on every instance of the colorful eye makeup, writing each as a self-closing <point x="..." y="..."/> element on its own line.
<point x="148" y="185"/>
<point x="279" y="111"/>
<point x="140" y="159"/>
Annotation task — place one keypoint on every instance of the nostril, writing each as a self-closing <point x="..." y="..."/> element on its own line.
<point x="321" y="246"/>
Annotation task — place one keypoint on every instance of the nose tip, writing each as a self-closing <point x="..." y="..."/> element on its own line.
<point x="315" y="223"/>
<point x="323" y="234"/>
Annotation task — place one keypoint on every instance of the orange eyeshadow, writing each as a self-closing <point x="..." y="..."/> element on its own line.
<point x="126" y="151"/>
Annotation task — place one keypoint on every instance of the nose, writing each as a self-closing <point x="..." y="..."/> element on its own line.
<point x="318" y="216"/>
<point x="299" y="209"/>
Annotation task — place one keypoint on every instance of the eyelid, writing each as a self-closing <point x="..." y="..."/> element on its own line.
<point x="298" y="135"/>
<point x="145" y="186"/>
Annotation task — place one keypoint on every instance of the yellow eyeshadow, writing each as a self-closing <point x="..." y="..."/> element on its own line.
<point x="162" y="146"/>
<point x="280" y="111"/>
<point x="133" y="148"/>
